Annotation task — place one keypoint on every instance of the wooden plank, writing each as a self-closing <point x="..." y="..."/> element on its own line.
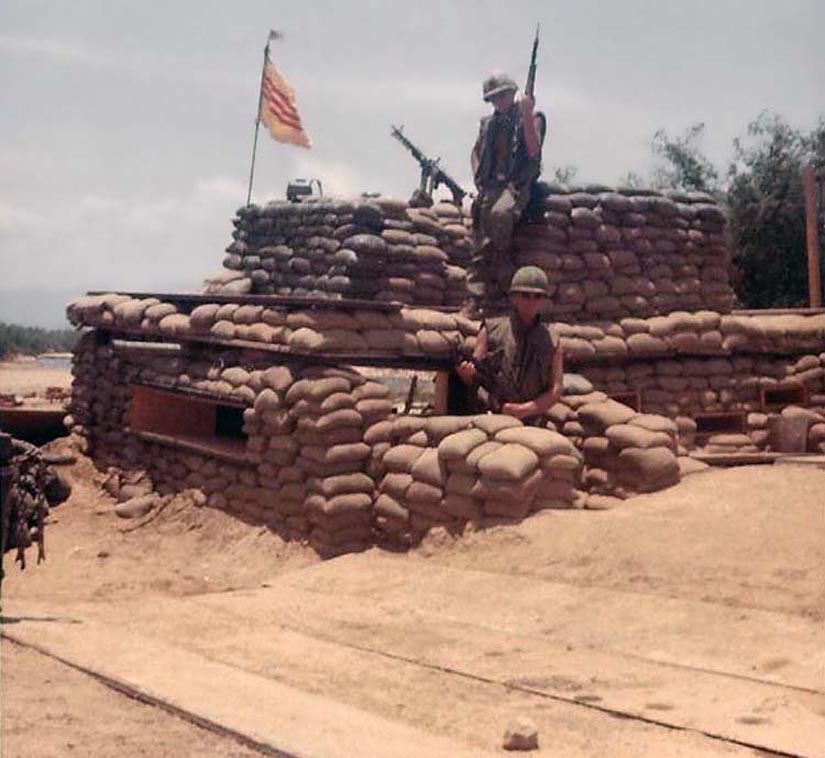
<point x="442" y="383"/>
<point x="228" y="450"/>
<point x="736" y="459"/>
<point x="275" y="301"/>
<point x="777" y="312"/>
<point x="212" y="397"/>
<point x="812" y="236"/>
<point x="36" y="424"/>
<point x="387" y="360"/>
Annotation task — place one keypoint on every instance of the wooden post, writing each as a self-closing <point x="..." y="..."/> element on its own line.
<point x="812" y="237"/>
<point x="441" y="387"/>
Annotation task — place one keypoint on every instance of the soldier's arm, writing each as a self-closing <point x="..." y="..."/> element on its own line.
<point x="466" y="369"/>
<point x="474" y="162"/>
<point x="542" y="403"/>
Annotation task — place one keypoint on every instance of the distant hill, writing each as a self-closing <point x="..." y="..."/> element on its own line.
<point x="31" y="340"/>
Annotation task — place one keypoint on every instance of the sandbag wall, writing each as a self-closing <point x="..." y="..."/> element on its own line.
<point x="611" y="254"/>
<point x="99" y="416"/>
<point x="689" y="364"/>
<point x="682" y="364"/>
<point x="321" y="445"/>
<point x="449" y="470"/>
<point x="303" y="466"/>
<point x="361" y="248"/>
<point x="689" y="386"/>
<point x="306" y="434"/>
<point x="98" y="399"/>
<point x="624" y="451"/>
<point x="403" y="330"/>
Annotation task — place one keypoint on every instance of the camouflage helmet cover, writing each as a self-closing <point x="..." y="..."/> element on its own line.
<point x="497" y="83"/>
<point x="529" y="279"/>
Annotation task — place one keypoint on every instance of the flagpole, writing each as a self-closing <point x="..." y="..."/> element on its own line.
<point x="258" y="120"/>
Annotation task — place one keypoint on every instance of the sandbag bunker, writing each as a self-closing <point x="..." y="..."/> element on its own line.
<point x="303" y="443"/>
<point x="349" y="248"/>
<point x="286" y="434"/>
<point x="265" y="394"/>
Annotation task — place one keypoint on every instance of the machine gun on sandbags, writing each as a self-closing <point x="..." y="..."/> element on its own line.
<point x="432" y="175"/>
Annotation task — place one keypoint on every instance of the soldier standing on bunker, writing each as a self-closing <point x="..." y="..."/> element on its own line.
<point x="517" y="355"/>
<point x="506" y="161"/>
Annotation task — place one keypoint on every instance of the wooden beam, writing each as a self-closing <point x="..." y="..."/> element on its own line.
<point x="381" y="360"/>
<point x="736" y="459"/>
<point x="225" y="449"/>
<point x="777" y="312"/>
<point x="812" y="236"/>
<point x="442" y="382"/>
<point x="193" y="299"/>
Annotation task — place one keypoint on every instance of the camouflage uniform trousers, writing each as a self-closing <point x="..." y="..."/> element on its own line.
<point x="492" y="265"/>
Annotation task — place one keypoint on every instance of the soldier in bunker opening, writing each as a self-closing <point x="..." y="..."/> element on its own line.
<point x="506" y="161"/>
<point x="517" y="362"/>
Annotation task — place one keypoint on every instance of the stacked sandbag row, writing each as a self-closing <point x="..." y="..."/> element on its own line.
<point x="149" y="315"/>
<point x="764" y="430"/>
<point x="100" y="414"/>
<point x="227" y="485"/>
<point x="700" y="333"/>
<point x="227" y="282"/>
<point x="695" y="385"/>
<point x="611" y="254"/>
<point x="449" y="470"/>
<point x="419" y="330"/>
<point x="679" y="333"/>
<point x="406" y="331"/>
<point x="99" y="401"/>
<point x="319" y="440"/>
<point x="624" y="451"/>
<point x="303" y="467"/>
<point x="306" y="433"/>
<point x="362" y="248"/>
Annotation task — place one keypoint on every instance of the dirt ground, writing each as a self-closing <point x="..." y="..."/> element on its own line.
<point x="28" y="377"/>
<point x="749" y="540"/>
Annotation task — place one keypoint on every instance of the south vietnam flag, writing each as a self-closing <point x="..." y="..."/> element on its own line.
<point x="278" y="110"/>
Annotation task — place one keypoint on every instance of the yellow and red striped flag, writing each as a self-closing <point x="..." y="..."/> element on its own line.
<point x="278" y="109"/>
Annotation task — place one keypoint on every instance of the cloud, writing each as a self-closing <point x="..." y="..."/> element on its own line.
<point x="14" y="218"/>
<point x="148" y="65"/>
<point x="94" y="241"/>
<point x="59" y="51"/>
<point x="339" y="178"/>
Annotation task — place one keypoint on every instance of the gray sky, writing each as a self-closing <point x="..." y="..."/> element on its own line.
<point x="126" y="127"/>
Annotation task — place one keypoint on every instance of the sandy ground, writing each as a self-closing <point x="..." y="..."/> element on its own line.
<point x="28" y="377"/>
<point x="744" y="541"/>
<point x="53" y="711"/>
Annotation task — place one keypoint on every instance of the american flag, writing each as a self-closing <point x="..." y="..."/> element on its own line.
<point x="278" y="110"/>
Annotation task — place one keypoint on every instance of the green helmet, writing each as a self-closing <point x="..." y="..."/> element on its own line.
<point x="529" y="279"/>
<point x="497" y="83"/>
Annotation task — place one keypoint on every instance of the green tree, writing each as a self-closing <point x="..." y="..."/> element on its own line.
<point x="767" y="211"/>
<point x="31" y="340"/>
<point x="565" y="174"/>
<point x="686" y="167"/>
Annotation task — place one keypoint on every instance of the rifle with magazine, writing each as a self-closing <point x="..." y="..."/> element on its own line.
<point x="432" y="175"/>
<point x="493" y="384"/>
